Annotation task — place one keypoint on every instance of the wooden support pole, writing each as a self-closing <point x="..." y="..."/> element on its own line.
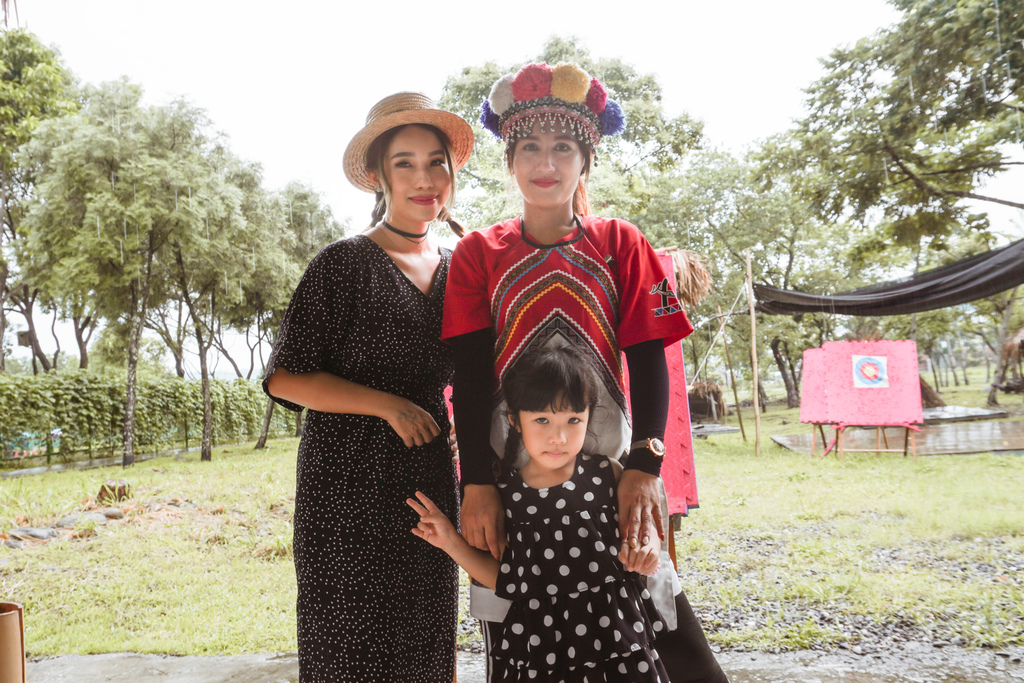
<point x="732" y="377"/>
<point x="674" y="525"/>
<point x="753" y="357"/>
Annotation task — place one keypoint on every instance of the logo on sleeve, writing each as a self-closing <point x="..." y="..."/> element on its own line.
<point x="669" y="303"/>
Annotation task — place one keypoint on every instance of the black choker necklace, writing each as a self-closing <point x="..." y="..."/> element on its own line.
<point x="411" y="236"/>
<point x="561" y="243"/>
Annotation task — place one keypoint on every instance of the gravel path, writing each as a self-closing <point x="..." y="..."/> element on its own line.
<point x="907" y="664"/>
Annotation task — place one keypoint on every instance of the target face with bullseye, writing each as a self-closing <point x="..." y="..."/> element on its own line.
<point x="870" y="372"/>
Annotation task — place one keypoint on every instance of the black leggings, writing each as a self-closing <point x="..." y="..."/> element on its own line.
<point x="685" y="651"/>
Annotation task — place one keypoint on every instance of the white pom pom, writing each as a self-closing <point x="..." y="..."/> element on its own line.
<point x="501" y="94"/>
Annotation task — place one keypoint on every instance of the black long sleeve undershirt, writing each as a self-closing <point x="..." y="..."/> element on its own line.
<point x="473" y="400"/>
<point x="648" y="398"/>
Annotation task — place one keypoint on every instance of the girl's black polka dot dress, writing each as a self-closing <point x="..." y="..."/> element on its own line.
<point x="577" y="616"/>
<point x="375" y="603"/>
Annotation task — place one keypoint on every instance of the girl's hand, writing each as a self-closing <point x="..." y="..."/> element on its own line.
<point x="434" y="527"/>
<point x="645" y="558"/>
<point x="639" y="512"/>
<point x="414" y="425"/>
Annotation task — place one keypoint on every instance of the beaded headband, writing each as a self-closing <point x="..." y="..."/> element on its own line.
<point x="564" y="96"/>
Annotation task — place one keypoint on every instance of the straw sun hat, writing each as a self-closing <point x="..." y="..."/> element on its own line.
<point x="398" y="110"/>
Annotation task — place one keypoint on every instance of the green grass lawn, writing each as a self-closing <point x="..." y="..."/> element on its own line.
<point x="202" y="562"/>
<point x="936" y="542"/>
<point x="214" y="579"/>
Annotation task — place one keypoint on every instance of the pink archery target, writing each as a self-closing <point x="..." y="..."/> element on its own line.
<point x="862" y="383"/>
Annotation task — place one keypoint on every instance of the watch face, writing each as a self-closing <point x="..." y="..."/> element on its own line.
<point x="657" y="447"/>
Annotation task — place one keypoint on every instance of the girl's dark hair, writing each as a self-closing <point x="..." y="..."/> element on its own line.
<point x="375" y="162"/>
<point x="560" y="378"/>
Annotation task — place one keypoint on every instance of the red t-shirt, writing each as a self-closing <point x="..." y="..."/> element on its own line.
<point x="601" y="288"/>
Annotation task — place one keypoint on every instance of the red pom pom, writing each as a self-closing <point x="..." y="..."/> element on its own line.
<point x="532" y="81"/>
<point x="597" y="96"/>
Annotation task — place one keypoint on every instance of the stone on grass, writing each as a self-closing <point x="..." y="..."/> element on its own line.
<point x="42" y="534"/>
<point x="97" y="518"/>
<point x="113" y="513"/>
<point x="71" y="521"/>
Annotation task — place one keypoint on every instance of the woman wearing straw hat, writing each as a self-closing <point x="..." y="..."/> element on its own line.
<point x="360" y="348"/>
<point x="558" y="276"/>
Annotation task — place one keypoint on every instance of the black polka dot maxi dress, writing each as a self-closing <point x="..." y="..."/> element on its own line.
<point x="375" y="603"/>
<point x="576" y="616"/>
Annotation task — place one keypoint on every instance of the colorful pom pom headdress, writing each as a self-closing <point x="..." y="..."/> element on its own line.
<point x="563" y="97"/>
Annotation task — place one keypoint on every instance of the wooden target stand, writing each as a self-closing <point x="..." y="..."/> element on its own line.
<point x="909" y="440"/>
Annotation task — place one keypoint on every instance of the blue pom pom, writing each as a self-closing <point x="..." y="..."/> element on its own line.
<point x="613" y="121"/>
<point x="489" y="119"/>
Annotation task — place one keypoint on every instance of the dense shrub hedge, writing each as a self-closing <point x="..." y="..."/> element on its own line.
<point x="87" y="411"/>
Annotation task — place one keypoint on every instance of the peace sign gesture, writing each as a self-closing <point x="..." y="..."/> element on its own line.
<point x="434" y="527"/>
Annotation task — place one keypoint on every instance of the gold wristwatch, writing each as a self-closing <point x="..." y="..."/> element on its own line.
<point x="654" y="445"/>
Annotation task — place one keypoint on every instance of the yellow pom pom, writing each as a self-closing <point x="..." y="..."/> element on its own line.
<point x="570" y="83"/>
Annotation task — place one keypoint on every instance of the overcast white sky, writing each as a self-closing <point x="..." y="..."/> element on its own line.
<point x="290" y="83"/>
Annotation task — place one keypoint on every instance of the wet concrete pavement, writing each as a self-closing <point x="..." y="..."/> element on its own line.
<point x="913" y="665"/>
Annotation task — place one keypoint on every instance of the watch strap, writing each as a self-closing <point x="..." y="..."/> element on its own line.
<point x="646" y="443"/>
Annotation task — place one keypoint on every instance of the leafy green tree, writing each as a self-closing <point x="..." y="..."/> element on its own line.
<point x="286" y="230"/>
<point x="1005" y="316"/>
<point x="901" y="132"/>
<point x="205" y="262"/>
<point x="720" y="206"/>
<point x="301" y="227"/>
<point x="117" y="184"/>
<point x="907" y="124"/>
<point x="34" y="86"/>
<point x="110" y="354"/>
<point x="170" y="322"/>
<point x="251" y="250"/>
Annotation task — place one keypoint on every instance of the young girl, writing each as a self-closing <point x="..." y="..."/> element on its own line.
<point x="576" y="613"/>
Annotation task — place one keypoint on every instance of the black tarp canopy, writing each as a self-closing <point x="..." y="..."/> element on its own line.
<point x="972" y="278"/>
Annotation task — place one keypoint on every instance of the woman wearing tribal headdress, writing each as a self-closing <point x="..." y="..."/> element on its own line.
<point x="557" y="275"/>
<point x="360" y="348"/>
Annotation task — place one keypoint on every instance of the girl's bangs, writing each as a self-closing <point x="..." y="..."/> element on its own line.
<point x="554" y="385"/>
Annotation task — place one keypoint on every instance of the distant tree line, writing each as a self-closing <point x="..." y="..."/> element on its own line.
<point x="880" y="179"/>
<point x="139" y="217"/>
<point x="120" y="217"/>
